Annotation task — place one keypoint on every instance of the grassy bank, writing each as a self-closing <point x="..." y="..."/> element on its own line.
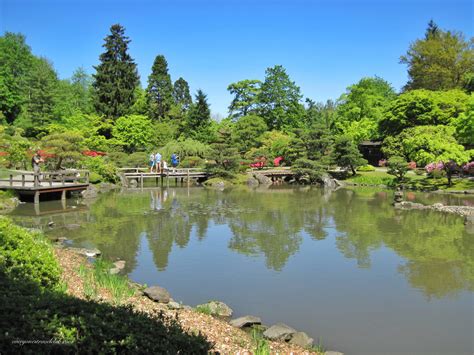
<point x="412" y="181"/>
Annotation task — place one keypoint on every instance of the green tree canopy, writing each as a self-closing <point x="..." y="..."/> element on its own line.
<point x="362" y="106"/>
<point x="198" y="118"/>
<point x="423" y="107"/>
<point x="245" y="99"/>
<point x="246" y="132"/>
<point x="181" y="94"/>
<point x="279" y="100"/>
<point x="66" y="147"/>
<point x="134" y="131"/>
<point x="116" y="76"/>
<point x="428" y="144"/>
<point x="346" y="154"/>
<point x="159" y="90"/>
<point x="440" y="61"/>
<point x="16" y="61"/>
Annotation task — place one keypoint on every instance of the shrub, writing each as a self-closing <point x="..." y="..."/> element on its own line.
<point x="191" y="162"/>
<point x="366" y="168"/>
<point x="101" y="169"/>
<point x="27" y="255"/>
<point x="137" y="160"/>
<point x="383" y="162"/>
<point x="411" y="165"/>
<point x="397" y="166"/>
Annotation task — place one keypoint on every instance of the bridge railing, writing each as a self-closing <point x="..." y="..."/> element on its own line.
<point x="63" y="177"/>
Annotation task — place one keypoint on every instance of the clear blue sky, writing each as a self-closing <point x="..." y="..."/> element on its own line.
<point x="324" y="45"/>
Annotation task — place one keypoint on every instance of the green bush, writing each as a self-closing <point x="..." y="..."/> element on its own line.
<point x="27" y="255"/>
<point x="366" y="168"/>
<point x="137" y="160"/>
<point x="191" y="162"/>
<point x="101" y="169"/>
<point x="85" y="327"/>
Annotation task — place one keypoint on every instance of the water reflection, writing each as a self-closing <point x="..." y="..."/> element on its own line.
<point x="437" y="252"/>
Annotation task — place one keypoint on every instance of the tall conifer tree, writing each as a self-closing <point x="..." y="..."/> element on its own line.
<point x="116" y="76"/>
<point x="181" y="95"/>
<point x="160" y="89"/>
<point x="199" y="115"/>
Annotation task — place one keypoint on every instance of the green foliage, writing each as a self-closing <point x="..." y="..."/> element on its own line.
<point x="116" y="76"/>
<point x="427" y="144"/>
<point x="247" y="131"/>
<point x="26" y="256"/>
<point x="346" y="154"/>
<point x="66" y="147"/>
<point x="279" y="100"/>
<point x="198" y="118"/>
<point x="366" y="168"/>
<point x="398" y="167"/>
<point x="105" y="169"/>
<point x="373" y="178"/>
<point x="181" y="94"/>
<point x="16" y="61"/>
<point x="246" y="94"/>
<point x="134" y="131"/>
<point x="160" y="89"/>
<point x="224" y="153"/>
<point x="324" y="114"/>
<point x="423" y="107"/>
<point x="362" y="107"/>
<point x="308" y="171"/>
<point x="440" y="61"/>
<point x="464" y="124"/>
<point x="192" y="162"/>
<point x="81" y="326"/>
<point x="184" y="148"/>
<point x="16" y="148"/>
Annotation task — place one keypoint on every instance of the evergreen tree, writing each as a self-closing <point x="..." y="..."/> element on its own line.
<point x="198" y="118"/>
<point x="181" y="94"/>
<point x="346" y="154"/>
<point x="159" y="90"/>
<point x="279" y="100"/>
<point x="224" y="153"/>
<point x="441" y="61"/>
<point x="116" y="76"/>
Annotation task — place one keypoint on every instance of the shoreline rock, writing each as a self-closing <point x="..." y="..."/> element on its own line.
<point x="157" y="294"/>
<point x="459" y="210"/>
<point x="217" y="308"/>
<point x="245" y="321"/>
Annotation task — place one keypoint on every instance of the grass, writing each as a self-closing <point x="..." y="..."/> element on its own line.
<point x="204" y="309"/>
<point x="261" y="344"/>
<point x="100" y="277"/>
<point x="319" y="348"/>
<point x="413" y="181"/>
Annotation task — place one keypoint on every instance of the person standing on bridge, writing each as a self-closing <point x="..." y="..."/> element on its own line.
<point x="174" y="160"/>
<point x="158" y="162"/>
<point x="151" y="162"/>
<point x="35" y="162"/>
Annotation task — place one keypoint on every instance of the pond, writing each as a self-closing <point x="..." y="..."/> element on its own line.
<point x="343" y="266"/>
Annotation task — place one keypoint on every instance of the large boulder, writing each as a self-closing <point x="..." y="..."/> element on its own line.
<point x="328" y="181"/>
<point x="217" y="308"/>
<point x="157" y="294"/>
<point x="301" y="339"/>
<point x="262" y="179"/>
<point x="279" y="331"/>
<point x="245" y="321"/>
<point x="90" y="192"/>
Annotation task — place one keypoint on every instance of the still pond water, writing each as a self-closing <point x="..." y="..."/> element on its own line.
<point x="345" y="267"/>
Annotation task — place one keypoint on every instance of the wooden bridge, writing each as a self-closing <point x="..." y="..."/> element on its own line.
<point x="27" y="183"/>
<point x="140" y="174"/>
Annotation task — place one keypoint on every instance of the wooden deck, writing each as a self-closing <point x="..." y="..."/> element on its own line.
<point x="27" y="183"/>
<point x="140" y="174"/>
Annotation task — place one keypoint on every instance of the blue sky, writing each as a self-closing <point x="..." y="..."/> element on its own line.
<point x="324" y="45"/>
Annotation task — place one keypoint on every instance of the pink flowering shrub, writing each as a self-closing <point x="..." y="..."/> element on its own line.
<point x="382" y="162"/>
<point x="411" y="165"/>
<point x="468" y="168"/>
<point x="434" y="166"/>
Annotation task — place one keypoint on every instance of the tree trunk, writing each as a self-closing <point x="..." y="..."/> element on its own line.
<point x="353" y="170"/>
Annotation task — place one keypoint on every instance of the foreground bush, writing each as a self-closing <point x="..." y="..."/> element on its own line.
<point x="27" y="256"/>
<point x="62" y="324"/>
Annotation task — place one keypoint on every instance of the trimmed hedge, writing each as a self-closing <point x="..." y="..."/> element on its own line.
<point x="27" y="255"/>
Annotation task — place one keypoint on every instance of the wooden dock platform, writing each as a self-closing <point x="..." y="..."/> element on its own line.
<point x="27" y="183"/>
<point x="140" y="174"/>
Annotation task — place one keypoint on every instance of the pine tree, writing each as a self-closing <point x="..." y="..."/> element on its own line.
<point x="181" y="94"/>
<point x="159" y="90"/>
<point x="199" y="115"/>
<point x="116" y="76"/>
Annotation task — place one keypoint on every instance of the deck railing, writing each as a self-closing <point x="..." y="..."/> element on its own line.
<point x="63" y="177"/>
